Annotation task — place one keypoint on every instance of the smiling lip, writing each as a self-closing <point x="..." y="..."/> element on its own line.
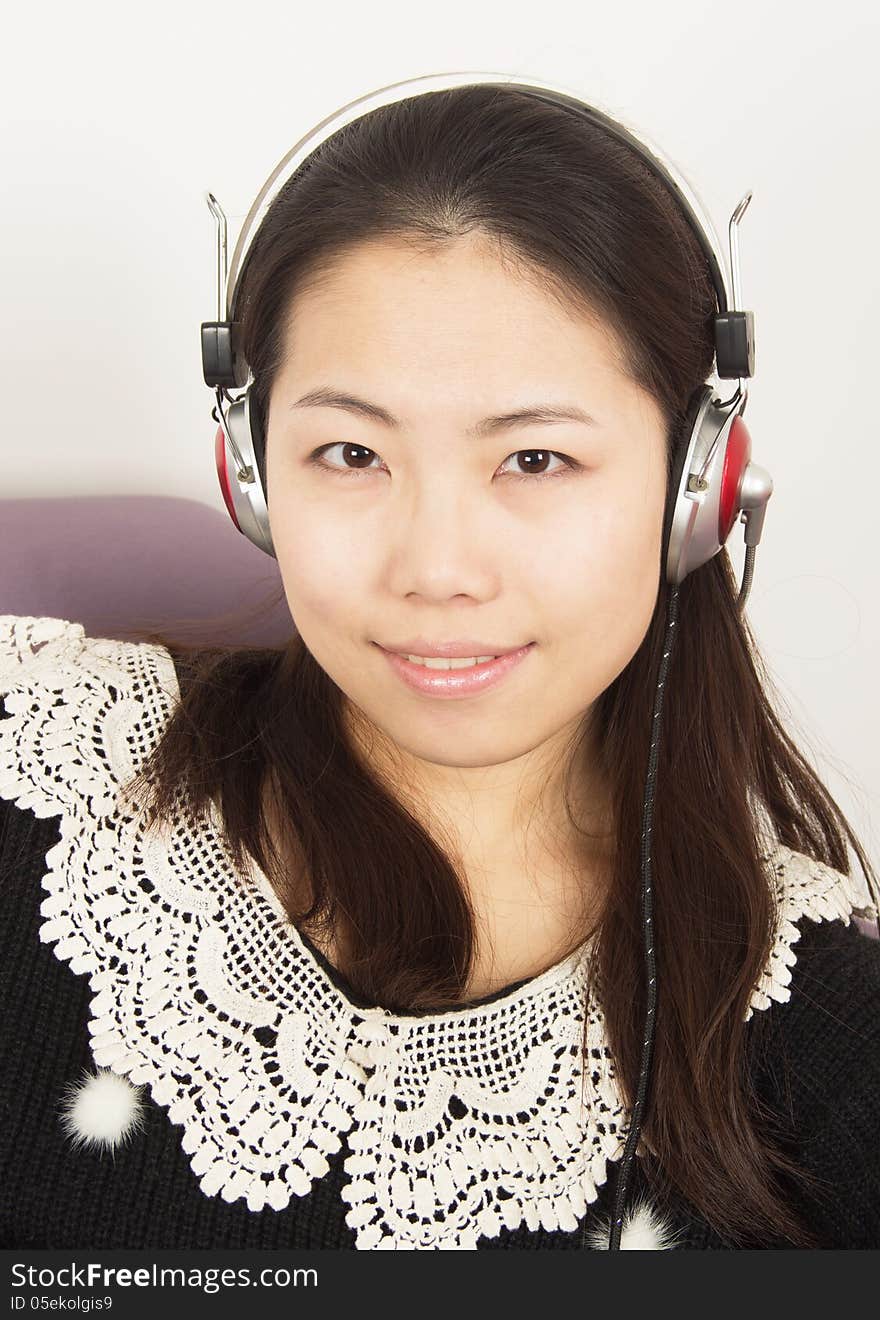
<point x="455" y="682"/>
<point x="449" y="650"/>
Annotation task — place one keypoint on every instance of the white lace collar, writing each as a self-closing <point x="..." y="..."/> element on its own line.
<point x="460" y="1123"/>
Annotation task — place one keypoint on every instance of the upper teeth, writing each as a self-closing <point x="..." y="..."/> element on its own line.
<point x="439" y="662"/>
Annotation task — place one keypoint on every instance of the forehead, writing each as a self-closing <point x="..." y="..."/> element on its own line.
<point x="463" y="306"/>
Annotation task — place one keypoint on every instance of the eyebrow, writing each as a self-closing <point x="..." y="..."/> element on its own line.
<point x="545" y="413"/>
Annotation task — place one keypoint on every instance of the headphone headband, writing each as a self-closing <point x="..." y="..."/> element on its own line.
<point x="734" y="328"/>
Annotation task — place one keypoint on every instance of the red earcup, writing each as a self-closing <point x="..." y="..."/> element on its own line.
<point x="736" y="460"/>
<point x="223" y="473"/>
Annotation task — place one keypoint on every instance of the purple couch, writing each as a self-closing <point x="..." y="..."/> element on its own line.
<point x="122" y="563"/>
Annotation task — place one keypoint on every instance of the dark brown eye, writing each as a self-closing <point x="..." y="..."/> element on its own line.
<point x="359" y="455"/>
<point x="356" y="458"/>
<point x="533" y="465"/>
<point x="533" y="460"/>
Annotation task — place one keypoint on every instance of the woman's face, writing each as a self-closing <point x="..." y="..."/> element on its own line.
<point x="421" y="527"/>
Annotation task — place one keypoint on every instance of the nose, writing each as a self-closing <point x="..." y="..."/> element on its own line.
<point x="443" y="543"/>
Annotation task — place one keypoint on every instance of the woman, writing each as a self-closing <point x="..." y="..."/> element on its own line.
<point x="367" y="928"/>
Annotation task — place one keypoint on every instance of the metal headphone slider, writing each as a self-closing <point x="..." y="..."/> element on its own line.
<point x="244" y="473"/>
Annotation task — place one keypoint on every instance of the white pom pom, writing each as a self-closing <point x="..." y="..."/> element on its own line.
<point x="643" y="1229"/>
<point x="101" y="1110"/>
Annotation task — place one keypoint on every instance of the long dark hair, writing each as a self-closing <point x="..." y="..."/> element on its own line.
<point x="581" y="210"/>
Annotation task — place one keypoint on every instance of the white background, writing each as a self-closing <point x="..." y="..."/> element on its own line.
<point x="115" y="121"/>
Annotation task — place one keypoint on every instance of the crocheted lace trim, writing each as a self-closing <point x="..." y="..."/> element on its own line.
<point x="460" y="1123"/>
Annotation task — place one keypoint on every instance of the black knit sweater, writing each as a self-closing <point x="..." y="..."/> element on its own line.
<point x="159" y="1089"/>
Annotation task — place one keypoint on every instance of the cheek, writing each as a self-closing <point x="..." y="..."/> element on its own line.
<point x="603" y="588"/>
<point x="607" y="545"/>
<point x="318" y="560"/>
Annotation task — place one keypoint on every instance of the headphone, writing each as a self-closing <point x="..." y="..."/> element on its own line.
<point x="712" y="478"/>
